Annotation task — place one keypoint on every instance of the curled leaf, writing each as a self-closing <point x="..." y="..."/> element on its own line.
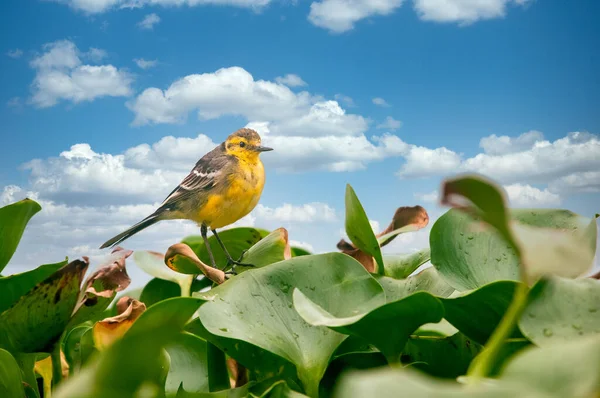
<point x="110" y="329"/>
<point x="101" y="286"/>
<point x="181" y="257"/>
<point x="546" y="242"/>
<point x="406" y="219"/>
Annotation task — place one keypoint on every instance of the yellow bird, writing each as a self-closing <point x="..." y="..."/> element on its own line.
<point x="224" y="186"/>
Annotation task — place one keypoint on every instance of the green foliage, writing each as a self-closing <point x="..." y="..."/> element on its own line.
<point x="502" y="312"/>
<point x="13" y="219"/>
<point x="11" y="384"/>
<point x="359" y="229"/>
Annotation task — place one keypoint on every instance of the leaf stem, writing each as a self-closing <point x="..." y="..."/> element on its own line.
<point x="56" y="364"/>
<point x="186" y="286"/>
<point x="484" y="362"/>
<point x="218" y="376"/>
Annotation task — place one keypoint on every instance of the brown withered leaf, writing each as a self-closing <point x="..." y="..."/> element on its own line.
<point x="110" y="329"/>
<point x="110" y="278"/>
<point x="180" y="256"/>
<point x="238" y="373"/>
<point x="406" y="218"/>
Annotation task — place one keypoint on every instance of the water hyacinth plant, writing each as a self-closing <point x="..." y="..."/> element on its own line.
<point x="505" y="309"/>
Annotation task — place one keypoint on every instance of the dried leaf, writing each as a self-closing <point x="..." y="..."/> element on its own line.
<point x="110" y="278"/>
<point x="181" y="255"/>
<point x="239" y="374"/>
<point x="406" y="219"/>
<point x="110" y="329"/>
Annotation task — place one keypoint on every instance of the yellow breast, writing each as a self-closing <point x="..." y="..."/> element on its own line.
<point x="238" y="199"/>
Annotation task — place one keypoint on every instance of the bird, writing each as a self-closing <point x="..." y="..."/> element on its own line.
<point x="224" y="186"/>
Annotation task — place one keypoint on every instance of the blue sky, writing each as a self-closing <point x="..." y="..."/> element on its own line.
<point x="390" y="97"/>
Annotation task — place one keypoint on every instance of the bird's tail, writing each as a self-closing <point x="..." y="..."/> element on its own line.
<point x="145" y="223"/>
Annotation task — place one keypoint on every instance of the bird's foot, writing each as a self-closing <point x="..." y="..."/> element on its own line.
<point x="229" y="274"/>
<point x="233" y="263"/>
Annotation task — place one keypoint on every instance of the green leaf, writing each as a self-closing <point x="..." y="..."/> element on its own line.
<point x="236" y="240"/>
<point x="469" y="254"/>
<point x="75" y="351"/>
<point x="561" y="310"/>
<point x="270" y="249"/>
<point x="386" y="326"/>
<point x="256" y="307"/>
<point x="13" y="219"/>
<point x="279" y="389"/>
<point x="262" y="364"/>
<point x="298" y="251"/>
<point x="218" y="376"/>
<point x="11" y="382"/>
<point x="26" y="363"/>
<point x="568" y="369"/>
<point x="188" y="364"/>
<point x="427" y="280"/>
<point x="40" y="316"/>
<point x="445" y="357"/>
<point x="157" y="290"/>
<point x="14" y="286"/>
<point x="400" y="266"/>
<point x="359" y="229"/>
<point x="391" y="383"/>
<point x="154" y="264"/>
<point x="469" y="257"/>
<point x="478" y="312"/>
<point x="137" y="361"/>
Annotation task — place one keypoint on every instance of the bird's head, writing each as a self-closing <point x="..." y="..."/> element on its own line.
<point x="244" y="144"/>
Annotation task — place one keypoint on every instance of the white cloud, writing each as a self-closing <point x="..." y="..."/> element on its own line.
<point x="100" y="6"/>
<point x="567" y="163"/>
<point x="310" y="212"/>
<point x="426" y="162"/>
<point x="233" y="91"/>
<point x="346" y="100"/>
<point x="520" y="195"/>
<point x="340" y="15"/>
<point x="16" y="53"/>
<point x="375" y="226"/>
<point x="431" y="197"/>
<point x="543" y="162"/>
<point x="149" y="21"/>
<point x="303" y="245"/>
<point x="587" y="181"/>
<point x="380" y="102"/>
<point x="331" y="153"/>
<point x="144" y="63"/>
<point x="494" y="145"/>
<point x="390" y="124"/>
<point x="60" y="75"/>
<point x="291" y="80"/>
<point x="463" y="11"/>
<point x="77" y="230"/>
<point x="96" y="54"/>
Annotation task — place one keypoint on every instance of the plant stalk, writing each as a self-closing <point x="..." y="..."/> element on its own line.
<point x="218" y="376"/>
<point x="186" y="286"/>
<point x="56" y="364"/>
<point x="482" y="365"/>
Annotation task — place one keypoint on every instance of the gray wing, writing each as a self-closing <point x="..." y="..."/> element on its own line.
<point x="208" y="173"/>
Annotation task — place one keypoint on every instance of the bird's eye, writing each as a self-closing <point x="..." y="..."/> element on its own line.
<point x="242" y="144"/>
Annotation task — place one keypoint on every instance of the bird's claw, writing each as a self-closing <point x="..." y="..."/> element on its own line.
<point x="233" y="263"/>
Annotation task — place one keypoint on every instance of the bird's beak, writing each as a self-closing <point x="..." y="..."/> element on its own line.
<point x="262" y="149"/>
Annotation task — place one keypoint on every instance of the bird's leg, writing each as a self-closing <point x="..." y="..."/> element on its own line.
<point x="230" y="260"/>
<point x="204" y="233"/>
